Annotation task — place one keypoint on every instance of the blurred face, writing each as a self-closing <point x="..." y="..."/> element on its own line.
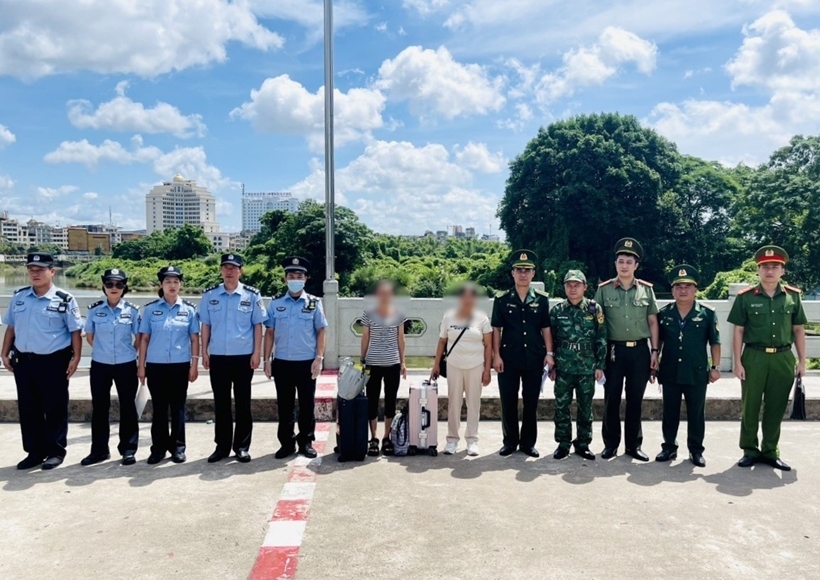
<point x="771" y="272"/>
<point x="684" y="292"/>
<point x="523" y="276"/>
<point x="384" y="293"/>
<point x="231" y="273"/>
<point x="575" y="290"/>
<point x="114" y="289"/>
<point x="468" y="300"/>
<point x="626" y="265"/>
<point x="171" y="286"/>
<point x="39" y="276"/>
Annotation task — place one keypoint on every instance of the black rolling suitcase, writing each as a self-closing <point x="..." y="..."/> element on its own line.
<point x="353" y="428"/>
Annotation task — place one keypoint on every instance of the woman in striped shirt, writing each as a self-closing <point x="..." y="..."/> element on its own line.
<point x="383" y="353"/>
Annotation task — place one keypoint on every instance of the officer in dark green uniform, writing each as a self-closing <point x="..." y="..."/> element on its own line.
<point x="686" y="328"/>
<point x="522" y="347"/>
<point x="631" y="318"/>
<point x="769" y="319"/>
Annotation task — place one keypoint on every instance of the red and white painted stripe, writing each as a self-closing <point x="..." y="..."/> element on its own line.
<point x="279" y="554"/>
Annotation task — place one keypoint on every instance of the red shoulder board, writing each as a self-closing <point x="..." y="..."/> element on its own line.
<point x="747" y="289"/>
<point x="644" y="282"/>
<point x="793" y="289"/>
<point x="610" y="281"/>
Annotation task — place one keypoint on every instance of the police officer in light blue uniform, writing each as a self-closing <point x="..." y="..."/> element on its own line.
<point x="296" y="325"/>
<point x="111" y="329"/>
<point x="231" y="315"/>
<point x="168" y="357"/>
<point x="42" y="348"/>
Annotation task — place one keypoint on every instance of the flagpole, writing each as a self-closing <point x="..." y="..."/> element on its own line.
<point x="330" y="164"/>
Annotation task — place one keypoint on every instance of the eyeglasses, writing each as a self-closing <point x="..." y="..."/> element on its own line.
<point x="117" y="285"/>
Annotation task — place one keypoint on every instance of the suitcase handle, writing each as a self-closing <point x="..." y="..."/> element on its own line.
<point x="425" y="418"/>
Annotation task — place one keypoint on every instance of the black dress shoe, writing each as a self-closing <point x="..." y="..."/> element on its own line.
<point x="30" y="462"/>
<point x="155" y="457"/>
<point x="243" y="456"/>
<point x="506" y="450"/>
<point x="609" y="453"/>
<point x="52" y="462"/>
<point x="777" y="463"/>
<point x="637" y="454"/>
<point x="585" y="453"/>
<point x="308" y="451"/>
<point x="666" y="455"/>
<point x="697" y="459"/>
<point x="178" y="457"/>
<point x="95" y="458"/>
<point x="284" y="452"/>
<point x="129" y="459"/>
<point x="561" y="453"/>
<point x="531" y="451"/>
<point x="747" y="461"/>
<point x="217" y="455"/>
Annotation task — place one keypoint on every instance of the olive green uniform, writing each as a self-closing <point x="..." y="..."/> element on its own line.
<point x="768" y="361"/>
<point x="684" y="370"/>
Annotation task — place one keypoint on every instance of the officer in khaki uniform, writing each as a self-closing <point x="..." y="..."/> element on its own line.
<point x="631" y="314"/>
<point x="522" y="346"/>
<point x="769" y="319"/>
<point x="686" y="327"/>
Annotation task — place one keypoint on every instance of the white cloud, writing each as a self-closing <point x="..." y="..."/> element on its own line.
<point x="123" y="114"/>
<point x="90" y="195"/>
<point x="52" y="193"/>
<point x="426" y="7"/>
<point x="310" y="13"/>
<point x="434" y="82"/>
<point x="593" y="65"/>
<point x="6" y="136"/>
<point x="282" y="105"/>
<point x="477" y="156"/>
<point x="147" y="38"/>
<point x="381" y="27"/>
<point x="6" y="183"/>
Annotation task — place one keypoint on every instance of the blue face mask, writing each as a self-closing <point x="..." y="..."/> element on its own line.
<point x="296" y="286"/>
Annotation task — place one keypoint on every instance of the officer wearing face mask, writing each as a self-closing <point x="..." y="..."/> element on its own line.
<point x="296" y="326"/>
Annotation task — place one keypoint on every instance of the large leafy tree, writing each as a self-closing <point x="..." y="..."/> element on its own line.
<point x="181" y="243"/>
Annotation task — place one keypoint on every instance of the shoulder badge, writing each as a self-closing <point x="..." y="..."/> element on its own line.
<point x="645" y="283"/>
<point x="747" y="289"/>
<point x="610" y="281"/>
<point x="214" y="287"/>
<point x="90" y="306"/>
<point x="251" y="289"/>
<point x="21" y="289"/>
<point x="191" y="304"/>
<point x="542" y="293"/>
<point x="707" y="306"/>
<point x="132" y="305"/>
<point x="152" y="302"/>
<point x="793" y="289"/>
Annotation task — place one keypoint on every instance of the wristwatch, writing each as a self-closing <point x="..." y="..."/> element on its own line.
<point x="550" y="353"/>
<point x="714" y="368"/>
<point x="655" y="350"/>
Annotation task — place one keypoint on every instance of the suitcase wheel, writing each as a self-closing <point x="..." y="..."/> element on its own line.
<point x="433" y="452"/>
<point x="412" y="450"/>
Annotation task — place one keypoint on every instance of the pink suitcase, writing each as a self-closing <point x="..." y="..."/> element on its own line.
<point x="423" y="417"/>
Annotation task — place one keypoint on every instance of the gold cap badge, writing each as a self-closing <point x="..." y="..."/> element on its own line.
<point x="628" y="244"/>
<point x="769" y="253"/>
<point x="523" y="257"/>
<point x="681" y="272"/>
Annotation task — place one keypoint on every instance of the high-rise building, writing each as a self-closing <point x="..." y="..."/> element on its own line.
<point x="470" y="232"/>
<point x="179" y="202"/>
<point x="255" y="205"/>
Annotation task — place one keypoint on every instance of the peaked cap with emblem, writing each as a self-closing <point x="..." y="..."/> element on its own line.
<point x="40" y="259"/>
<point x="114" y="274"/>
<point x="232" y="259"/>
<point x="684" y="274"/>
<point x="295" y="264"/>
<point x="629" y="246"/>
<point x="169" y="271"/>
<point x="771" y="254"/>
<point x="523" y="259"/>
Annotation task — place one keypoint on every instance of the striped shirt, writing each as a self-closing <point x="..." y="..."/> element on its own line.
<point x="383" y="347"/>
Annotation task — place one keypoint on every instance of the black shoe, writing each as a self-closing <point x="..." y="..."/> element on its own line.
<point x="284" y="452"/>
<point x="155" y="457"/>
<point x="217" y="455"/>
<point x="308" y="451"/>
<point x="506" y="450"/>
<point x="243" y="456"/>
<point x="666" y="455"/>
<point x="776" y="462"/>
<point x="609" y="453"/>
<point x="178" y="457"/>
<point x="95" y="458"/>
<point x="532" y="452"/>
<point x="697" y="459"/>
<point x="129" y="459"/>
<point x="30" y="462"/>
<point x="585" y="453"/>
<point x="561" y="453"/>
<point x="637" y="454"/>
<point x="52" y="462"/>
<point x="747" y="461"/>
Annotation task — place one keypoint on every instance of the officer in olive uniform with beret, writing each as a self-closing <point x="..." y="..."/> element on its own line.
<point x="522" y="347"/>
<point x="769" y="319"/>
<point x="686" y="327"/>
<point x="631" y="319"/>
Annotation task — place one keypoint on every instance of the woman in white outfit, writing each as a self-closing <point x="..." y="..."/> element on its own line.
<point x="468" y="365"/>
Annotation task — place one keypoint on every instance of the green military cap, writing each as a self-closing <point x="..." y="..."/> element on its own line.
<point x="523" y="259"/>
<point x="629" y="246"/>
<point x="684" y="274"/>
<point x="575" y="276"/>
<point x="774" y="254"/>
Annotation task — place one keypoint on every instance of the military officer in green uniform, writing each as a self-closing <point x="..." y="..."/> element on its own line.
<point x="686" y="327"/>
<point x="769" y="319"/>
<point x="522" y="347"/>
<point x="579" y="337"/>
<point x="631" y="314"/>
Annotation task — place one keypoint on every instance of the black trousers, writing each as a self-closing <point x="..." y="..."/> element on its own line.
<point x="124" y="376"/>
<point x="508" y="384"/>
<point x="168" y="384"/>
<point x="392" y="379"/>
<point x="292" y="378"/>
<point x="695" y="397"/>
<point x="42" y="401"/>
<point x="630" y="366"/>
<point x="226" y="372"/>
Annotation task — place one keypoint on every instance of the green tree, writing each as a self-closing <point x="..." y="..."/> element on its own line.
<point x="172" y="244"/>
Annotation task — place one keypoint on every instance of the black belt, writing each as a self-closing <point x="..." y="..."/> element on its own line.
<point x="628" y="343"/>
<point x="576" y="346"/>
<point x="769" y="349"/>
<point x="24" y="356"/>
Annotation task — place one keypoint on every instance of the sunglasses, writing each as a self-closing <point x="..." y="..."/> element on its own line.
<point x="117" y="285"/>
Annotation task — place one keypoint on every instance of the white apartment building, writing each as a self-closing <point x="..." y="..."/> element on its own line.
<point x="226" y="241"/>
<point x="255" y="205"/>
<point x="179" y="202"/>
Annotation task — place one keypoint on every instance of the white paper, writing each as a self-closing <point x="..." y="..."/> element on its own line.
<point x="141" y="399"/>
<point x="545" y="377"/>
<point x="602" y="380"/>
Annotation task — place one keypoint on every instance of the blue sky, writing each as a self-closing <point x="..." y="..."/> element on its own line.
<point x="101" y="100"/>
